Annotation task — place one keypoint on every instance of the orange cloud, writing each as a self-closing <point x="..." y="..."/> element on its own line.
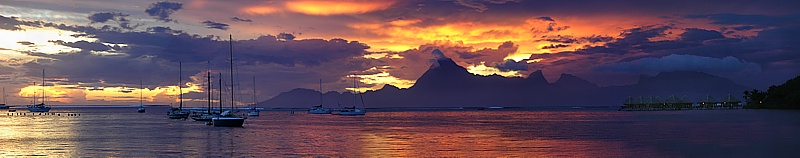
<point x="315" y="7"/>
<point x="405" y="22"/>
<point x="260" y="10"/>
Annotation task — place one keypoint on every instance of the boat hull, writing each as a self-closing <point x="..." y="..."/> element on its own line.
<point x="352" y="112"/>
<point x="204" y="117"/>
<point x="178" y="115"/>
<point x="319" y="111"/>
<point x="140" y="110"/>
<point x="228" y="121"/>
<point x="39" y="109"/>
<point x="253" y="113"/>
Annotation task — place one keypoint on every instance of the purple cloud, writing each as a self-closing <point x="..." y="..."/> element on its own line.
<point x="162" y="10"/>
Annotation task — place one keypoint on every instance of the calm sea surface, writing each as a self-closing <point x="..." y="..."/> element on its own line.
<point x="121" y="132"/>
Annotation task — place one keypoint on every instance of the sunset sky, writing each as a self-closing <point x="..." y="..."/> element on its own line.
<point x="96" y="52"/>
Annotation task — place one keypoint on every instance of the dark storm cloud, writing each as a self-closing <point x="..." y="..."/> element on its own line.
<point x="26" y="43"/>
<point x="545" y="18"/>
<point x="511" y="65"/>
<point x="551" y="46"/>
<point x="237" y="19"/>
<point x="675" y="62"/>
<point x="9" y="23"/>
<point x="699" y="35"/>
<point x="103" y="17"/>
<point x="772" y="52"/>
<point x="753" y="20"/>
<point x="162" y="29"/>
<point x="162" y="10"/>
<point x="743" y="28"/>
<point x="215" y="25"/>
<point x="288" y="36"/>
<point x="154" y="56"/>
<point x="120" y="18"/>
<point x="84" y="45"/>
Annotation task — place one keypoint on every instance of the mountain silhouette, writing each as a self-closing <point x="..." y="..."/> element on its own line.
<point x="446" y="84"/>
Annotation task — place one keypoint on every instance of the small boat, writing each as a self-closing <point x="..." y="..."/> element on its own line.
<point x="353" y="111"/>
<point x="3" y="105"/>
<point x="141" y="101"/>
<point x="39" y="107"/>
<point x="207" y="115"/>
<point x="228" y="118"/>
<point x="253" y="110"/>
<point x="12" y="110"/>
<point x="204" y="116"/>
<point x="178" y="113"/>
<point x="318" y="109"/>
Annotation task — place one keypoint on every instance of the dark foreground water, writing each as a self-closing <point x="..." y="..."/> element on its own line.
<point x="121" y="132"/>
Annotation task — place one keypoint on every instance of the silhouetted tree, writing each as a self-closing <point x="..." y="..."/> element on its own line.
<point x="784" y="96"/>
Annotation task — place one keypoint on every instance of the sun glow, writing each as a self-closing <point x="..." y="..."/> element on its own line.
<point x="67" y="93"/>
<point x="482" y="69"/>
<point x="314" y="7"/>
<point x="38" y="40"/>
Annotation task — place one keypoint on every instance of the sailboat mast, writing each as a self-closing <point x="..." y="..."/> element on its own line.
<point x="34" y="94"/>
<point x="320" y="92"/>
<point x="4" y="95"/>
<point x="141" y="90"/>
<point x="180" y="90"/>
<point x="232" y="87"/>
<point x="43" y="95"/>
<point x="220" y="92"/>
<point x="208" y="79"/>
<point x="354" y="90"/>
<point x="254" y="92"/>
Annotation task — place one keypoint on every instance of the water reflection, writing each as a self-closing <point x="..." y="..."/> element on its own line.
<point x="121" y="132"/>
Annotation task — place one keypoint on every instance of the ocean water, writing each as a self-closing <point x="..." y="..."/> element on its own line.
<point x="121" y="132"/>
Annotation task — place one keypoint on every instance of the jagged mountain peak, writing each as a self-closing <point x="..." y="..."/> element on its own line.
<point x="537" y="76"/>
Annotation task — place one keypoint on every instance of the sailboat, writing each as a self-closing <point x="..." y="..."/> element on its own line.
<point x="39" y="107"/>
<point x="4" y="106"/>
<point x="178" y="113"/>
<point x="208" y="115"/>
<point x="141" y="101"/>
<point x="228" y="118"/>
<point x="318" y="109"/>
<point x="352" y="111"/>
<point x="253" y="110"/>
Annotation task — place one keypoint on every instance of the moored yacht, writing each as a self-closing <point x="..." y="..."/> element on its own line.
<point x="39" y="107"/>
<point x="353" y="111"/>
<point x="178" y="113"/>
<point x="318" y="109"/>
<point x="228" y="118"/>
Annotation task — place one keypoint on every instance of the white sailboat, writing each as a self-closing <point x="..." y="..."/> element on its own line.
<point x="228" y="118"/>
<point x="208" y="115"/>
<point x="318" y="109"/>
<point x="39" y="107"/>
<point x="141" y="101"/>
<point x="352" y="111"/>
<point x="253" y="111"/>
<point x="3" y="105"/>
<point x="178" y="113"/>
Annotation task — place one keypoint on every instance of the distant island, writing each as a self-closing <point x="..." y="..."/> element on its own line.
<point x="446" y="84"/>
<point x="784" y="96"/>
